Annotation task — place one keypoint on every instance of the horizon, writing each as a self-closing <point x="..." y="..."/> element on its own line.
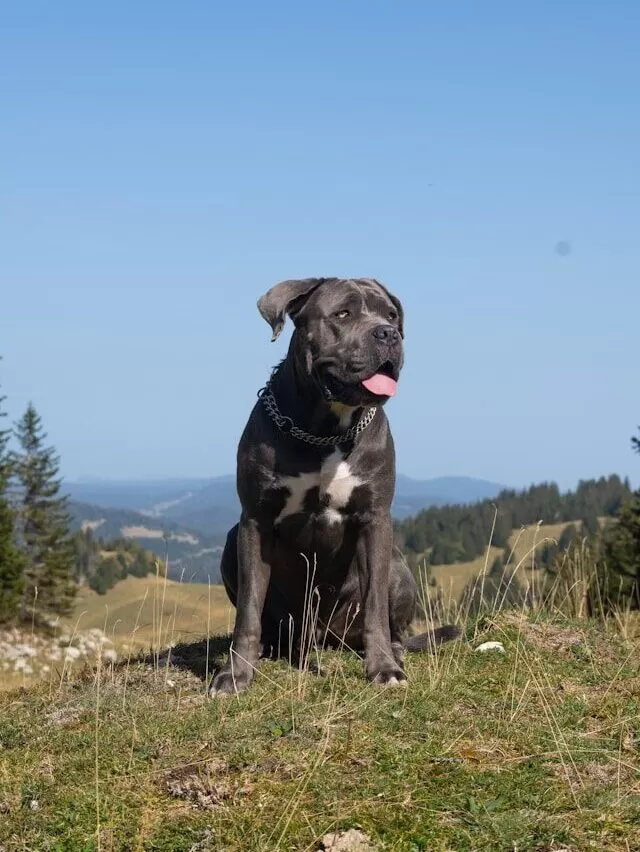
<point x="170" y="164"/>
<point x="93" y="480"/>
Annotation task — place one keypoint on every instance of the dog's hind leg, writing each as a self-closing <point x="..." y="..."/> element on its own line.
<point x="403" y="597"/>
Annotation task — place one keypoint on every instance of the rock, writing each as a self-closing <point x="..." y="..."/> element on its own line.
<point x="491" y="646"/>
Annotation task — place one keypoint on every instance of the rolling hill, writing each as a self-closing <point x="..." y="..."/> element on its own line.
<point x="143" y="611"/>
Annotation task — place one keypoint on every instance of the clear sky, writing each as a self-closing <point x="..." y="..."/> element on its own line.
<point x="163" y="164"/>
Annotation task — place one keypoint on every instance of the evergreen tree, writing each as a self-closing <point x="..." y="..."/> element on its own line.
<point x="11" y="562"/>
<point x="44" y="522"/>
<point x="622" y="548"/>
<point x="569" y="535"/>
<point x="590" y="526"/>
<point x="622" y="553"/>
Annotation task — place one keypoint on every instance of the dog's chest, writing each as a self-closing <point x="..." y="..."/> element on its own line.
<point x="324" y="493"/>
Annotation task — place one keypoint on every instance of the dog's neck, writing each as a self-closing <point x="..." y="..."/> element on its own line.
<point x="302" y="399"/>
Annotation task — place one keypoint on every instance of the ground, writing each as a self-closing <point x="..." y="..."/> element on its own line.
<point x="533" y="748"/>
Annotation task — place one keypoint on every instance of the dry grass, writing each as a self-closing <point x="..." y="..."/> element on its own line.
<point x="523" y="546"/>
<point x="134" y="610"/>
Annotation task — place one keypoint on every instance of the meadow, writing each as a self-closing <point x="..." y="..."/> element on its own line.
<point x="531" y="745"/>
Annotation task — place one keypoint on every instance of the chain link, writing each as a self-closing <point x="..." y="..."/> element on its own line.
<point x="286" y="424"/>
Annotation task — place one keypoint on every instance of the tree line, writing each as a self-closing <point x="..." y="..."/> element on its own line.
<point x="606" y="553"/>
<point x="42" y="563"/>
<point x="591" y="570"/>
<point x="102" y="563"/>
<point x="450" y="534"/>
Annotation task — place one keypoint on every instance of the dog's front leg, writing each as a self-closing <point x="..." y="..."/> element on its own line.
<point x="253" y="580"/>
<point x="374" y="565"/>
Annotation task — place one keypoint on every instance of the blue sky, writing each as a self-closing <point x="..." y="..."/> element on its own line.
<point x="165" y="163"/>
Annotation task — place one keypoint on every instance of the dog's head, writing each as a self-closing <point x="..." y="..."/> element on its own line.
<point x="348" y="335"/>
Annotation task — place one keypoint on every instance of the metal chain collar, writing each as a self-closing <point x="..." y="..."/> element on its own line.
<point x="286" y="424"/>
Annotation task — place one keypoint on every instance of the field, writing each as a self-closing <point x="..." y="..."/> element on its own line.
<point x="146" y="611"/>
<point x="136" y="615"/>
<point x="141" y="613"/>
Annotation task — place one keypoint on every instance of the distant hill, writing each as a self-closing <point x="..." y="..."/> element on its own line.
<point x="141" y="496"/>
<point x="209" y="520"/>
<point x="189" y="551"/>
<point x="413" y="495"/>
<point x="211" y="506"/>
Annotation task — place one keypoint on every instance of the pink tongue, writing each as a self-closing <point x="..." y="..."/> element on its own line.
<point x="381" y="385"/>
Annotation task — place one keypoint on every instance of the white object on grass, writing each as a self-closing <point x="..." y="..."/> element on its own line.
<point x="491" y="646"/>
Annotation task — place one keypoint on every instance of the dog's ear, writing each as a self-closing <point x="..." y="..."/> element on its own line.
<point x="397" y="304"/>
<point x="288" y="297"/>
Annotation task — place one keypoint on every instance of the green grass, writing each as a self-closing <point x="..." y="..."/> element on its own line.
<point x="533" y="749"/>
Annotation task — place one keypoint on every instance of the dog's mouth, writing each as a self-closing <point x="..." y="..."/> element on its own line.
<point x="356" y="384"/>
<point x="384" y="382"/>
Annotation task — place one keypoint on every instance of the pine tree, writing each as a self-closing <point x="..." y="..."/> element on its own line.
<point x="44" y="522"/>
<point x="622" y="547"/>
<point x="11" y="562"/>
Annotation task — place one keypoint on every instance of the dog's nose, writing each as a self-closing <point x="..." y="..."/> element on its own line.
<point x="386" y="334"/>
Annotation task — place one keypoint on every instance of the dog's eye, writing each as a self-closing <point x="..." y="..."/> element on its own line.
<point x="341" y="314"/>
<point x="393" y="315"/>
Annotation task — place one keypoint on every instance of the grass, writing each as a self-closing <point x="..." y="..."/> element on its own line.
<point x="134" y="610"/>
<point x="531" y="749"/>
<point x="523" y="545"/>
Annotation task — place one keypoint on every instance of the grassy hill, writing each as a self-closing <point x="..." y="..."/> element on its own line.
<point x="141" y="612"/>
<point x="532" y="746"/>
<point x="534" y="749"/>
<point x="524" y="547"/>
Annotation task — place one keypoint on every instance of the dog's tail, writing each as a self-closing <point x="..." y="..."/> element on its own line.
<point x="432" y="638"/>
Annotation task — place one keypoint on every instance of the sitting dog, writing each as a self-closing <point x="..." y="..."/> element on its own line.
<point x="316" y="477"/>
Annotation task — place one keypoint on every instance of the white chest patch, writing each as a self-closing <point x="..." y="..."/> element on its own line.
<point x="334" y="481"/>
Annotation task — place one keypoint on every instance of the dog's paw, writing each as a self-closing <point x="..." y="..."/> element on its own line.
<point x="231" y="680"/>
<point x="388" y="675"/>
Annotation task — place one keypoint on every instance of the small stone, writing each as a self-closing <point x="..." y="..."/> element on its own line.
<point x="491" y="646"/>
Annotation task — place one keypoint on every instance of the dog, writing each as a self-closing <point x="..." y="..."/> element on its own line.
<point x="316" y="478"/>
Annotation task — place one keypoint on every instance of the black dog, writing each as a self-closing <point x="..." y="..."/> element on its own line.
<point x="316" y="477"/>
